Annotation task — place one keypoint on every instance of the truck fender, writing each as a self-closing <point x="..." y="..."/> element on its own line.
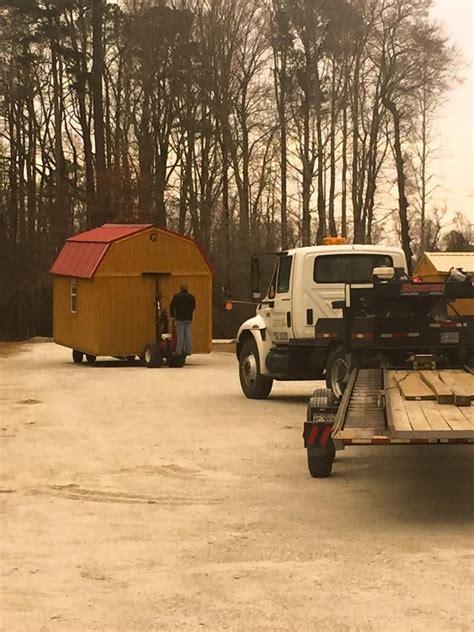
<point x="255" y="328"/>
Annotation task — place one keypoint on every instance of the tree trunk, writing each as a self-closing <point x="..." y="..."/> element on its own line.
<point x="59" y="222"/>
<point x="402" y="200"/>
<point x="281" y="96"/>
<point x="101" y="211"/>
<point x="344" y="174"/>
<point x="321" y="232"/>
<point x="332" y="155"/>
<point x="356" y="209"/>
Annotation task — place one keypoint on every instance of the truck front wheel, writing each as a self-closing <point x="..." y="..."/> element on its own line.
<point x="253" y="383"/>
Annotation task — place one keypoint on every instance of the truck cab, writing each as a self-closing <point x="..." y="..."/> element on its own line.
<point x="287" y="338"/>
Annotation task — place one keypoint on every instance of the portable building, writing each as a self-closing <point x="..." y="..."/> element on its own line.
<point x="106" y="282"/>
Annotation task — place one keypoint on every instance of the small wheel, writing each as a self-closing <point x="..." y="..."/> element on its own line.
<point x="152" y="356"/>
<point x="337" y="371"/>
<point x="253" y="383"/>
<point x="176" y="361"/>
<point x="90" y="358"/>
<point x="320" y="460"/>
<point x="77" y="356"/>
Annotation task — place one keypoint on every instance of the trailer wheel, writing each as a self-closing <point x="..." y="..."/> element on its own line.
<point x="337" y="371"/>
<point x="320" y="460"/>
<point x="90" y="358"/>
<point x="77" y="356"/>
<point x="254" y="384"/>
<point x="152" y="356"/>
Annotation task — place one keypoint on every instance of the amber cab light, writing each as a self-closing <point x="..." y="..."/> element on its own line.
<point x="334" y="241"/>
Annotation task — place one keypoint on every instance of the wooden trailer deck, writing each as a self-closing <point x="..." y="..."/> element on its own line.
<point x="432" y="406"/>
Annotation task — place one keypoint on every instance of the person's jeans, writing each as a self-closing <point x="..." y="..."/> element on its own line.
<point x="184" y="337"/>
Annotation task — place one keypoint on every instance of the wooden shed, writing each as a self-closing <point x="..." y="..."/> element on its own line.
<point x="435" y="266"/>
<point x="106" y="282"/>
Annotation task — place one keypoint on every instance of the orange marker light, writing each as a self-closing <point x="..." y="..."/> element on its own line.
<point x="334" y="241"/>
<point x="229" y="307"/>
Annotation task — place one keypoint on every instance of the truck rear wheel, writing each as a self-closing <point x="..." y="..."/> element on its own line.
<point x="320" y="460"/>
<point x="337" y="371"/>
<point x="324" y="398"/>
<point x="253" y="383"/>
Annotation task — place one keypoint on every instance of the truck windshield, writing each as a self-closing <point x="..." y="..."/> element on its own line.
<point x="348" y="268"/>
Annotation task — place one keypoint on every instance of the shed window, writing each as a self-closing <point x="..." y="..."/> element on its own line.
<point x="348" y="268"/>
<point x="73" y="296"/>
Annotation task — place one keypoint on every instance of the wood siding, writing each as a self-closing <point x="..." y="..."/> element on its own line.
<point x="80" y="330"/>
<point x="126" y="315"/>
<point x="139" y="253"/>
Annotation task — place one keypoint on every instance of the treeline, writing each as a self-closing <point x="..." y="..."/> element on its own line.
<point x="248" y="124"/>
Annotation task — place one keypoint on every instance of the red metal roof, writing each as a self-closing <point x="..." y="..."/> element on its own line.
<point x="82" y="254"/>
<point x="110" y="232"/>
<point x="79" y="259"/>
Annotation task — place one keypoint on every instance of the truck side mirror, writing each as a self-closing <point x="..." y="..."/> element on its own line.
<point x="226" y="292"/>
<point x="255" y="278"/>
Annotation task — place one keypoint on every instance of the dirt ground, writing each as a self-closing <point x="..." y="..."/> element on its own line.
<point x="142" y="500"/>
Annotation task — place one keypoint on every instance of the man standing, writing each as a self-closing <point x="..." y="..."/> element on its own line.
<point x="182" y="307"/>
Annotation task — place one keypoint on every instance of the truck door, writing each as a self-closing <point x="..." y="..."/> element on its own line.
<point x="316" y="296"/>
<point x="277" y="312"/>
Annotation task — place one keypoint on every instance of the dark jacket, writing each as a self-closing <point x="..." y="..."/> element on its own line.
<point x="182" y="305"/>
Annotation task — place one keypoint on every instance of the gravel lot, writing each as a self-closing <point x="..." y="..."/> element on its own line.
<point x="135" y="499"/>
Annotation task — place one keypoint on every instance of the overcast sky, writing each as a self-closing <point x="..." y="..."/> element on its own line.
<point x="455" y="164"/>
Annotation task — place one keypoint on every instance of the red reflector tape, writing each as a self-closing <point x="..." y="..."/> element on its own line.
<point x="326" y="434"/>
<point x="446" y="325"/>
<point x="357" y="336"/>
<point x="321" y="335"/>
<point x="312" y="435"/>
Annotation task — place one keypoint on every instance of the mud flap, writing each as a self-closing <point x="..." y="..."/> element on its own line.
<point x="317" y="434"/>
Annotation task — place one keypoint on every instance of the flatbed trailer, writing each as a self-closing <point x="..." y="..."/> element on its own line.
<point x="373" y="412"/>
<point x="407" y="378"/>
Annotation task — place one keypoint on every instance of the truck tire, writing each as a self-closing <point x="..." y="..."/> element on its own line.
<point x="90" y="358"/>
<point x="337" y="371"/>
<point x="320" y="461"/>
<point x="324" y="398"/>
<point x="254" y="384"/>
<point x="152" y="356"/>
<point x="77" y="356"/>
